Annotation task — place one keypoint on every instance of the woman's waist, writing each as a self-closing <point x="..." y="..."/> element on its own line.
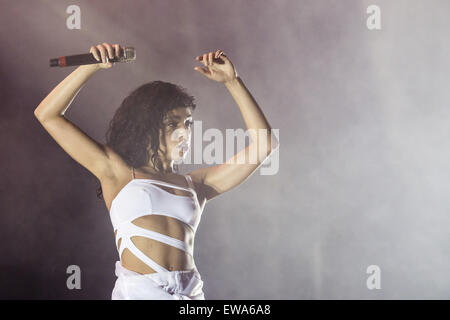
<point x="169" y="257"/>
<point x="163" y="228"/>
<point x="158" y="246"/>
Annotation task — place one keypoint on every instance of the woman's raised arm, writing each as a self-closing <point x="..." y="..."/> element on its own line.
<point x="50" y="113"/>
<point x="223" y="177"/>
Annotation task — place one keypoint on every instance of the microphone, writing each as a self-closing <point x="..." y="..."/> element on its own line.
<point x="128" y="54"/>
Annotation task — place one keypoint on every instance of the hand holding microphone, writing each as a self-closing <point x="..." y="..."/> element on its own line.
<point x="105" y="52"/>
<point x="103" y="55"/>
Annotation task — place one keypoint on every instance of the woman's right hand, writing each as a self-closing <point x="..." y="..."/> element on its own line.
<point x="103" y="51"/>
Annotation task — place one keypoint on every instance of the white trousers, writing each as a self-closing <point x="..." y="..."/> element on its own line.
<point x="172" y="285"/>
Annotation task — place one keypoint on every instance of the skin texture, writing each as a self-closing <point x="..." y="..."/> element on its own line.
<point x="113" y="173"/>
<point x="177" y="129"/>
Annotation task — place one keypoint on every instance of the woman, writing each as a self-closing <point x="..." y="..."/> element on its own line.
<point x="154" y="211"/>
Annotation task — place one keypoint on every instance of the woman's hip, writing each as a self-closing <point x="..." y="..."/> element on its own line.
<point x="171" y="285"/>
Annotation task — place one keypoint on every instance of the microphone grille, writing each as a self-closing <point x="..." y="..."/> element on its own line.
<point x="129" y="54"/>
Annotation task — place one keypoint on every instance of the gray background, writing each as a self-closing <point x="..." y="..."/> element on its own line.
<point x="364" y="155"/>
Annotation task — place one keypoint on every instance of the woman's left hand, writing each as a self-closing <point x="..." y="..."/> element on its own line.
<point x="217" y="67"/>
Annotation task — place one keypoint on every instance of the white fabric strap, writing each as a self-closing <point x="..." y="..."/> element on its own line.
<point x="134" y="230"/>
<point x="190" y="183"/>
<point x="138" y="253"/>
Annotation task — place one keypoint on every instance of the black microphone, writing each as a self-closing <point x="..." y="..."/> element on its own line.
<point x="127" y="54"/>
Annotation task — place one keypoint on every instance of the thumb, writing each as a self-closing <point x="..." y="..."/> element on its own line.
<point x="224" y="56"/>
<point x="203" y="71"/>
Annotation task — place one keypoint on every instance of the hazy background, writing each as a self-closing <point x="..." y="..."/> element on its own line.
<point x="364" y="145"/>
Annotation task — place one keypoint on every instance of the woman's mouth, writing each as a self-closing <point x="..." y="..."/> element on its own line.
<point x="183" y="146"/>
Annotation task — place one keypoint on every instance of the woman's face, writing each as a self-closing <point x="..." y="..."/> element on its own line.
<point x="175" y="139"/>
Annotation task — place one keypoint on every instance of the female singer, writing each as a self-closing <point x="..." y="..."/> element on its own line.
<point x="154" y="210"/>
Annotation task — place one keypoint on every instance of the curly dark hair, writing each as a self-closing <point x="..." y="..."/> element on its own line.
<point x="135" y="126"/>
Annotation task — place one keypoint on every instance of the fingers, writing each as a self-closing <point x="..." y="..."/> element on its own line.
<point x="117" y="50"/>
<point x="203" y="71"/>
<point x="94" y="53"/>
<point x="103" y="52"/>
<point x="208" y="58"/>
<point x="223" y="55"/>
<point x="109" y="50"/>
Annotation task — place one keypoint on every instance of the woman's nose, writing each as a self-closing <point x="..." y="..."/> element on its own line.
<point x="182" y="134"/>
